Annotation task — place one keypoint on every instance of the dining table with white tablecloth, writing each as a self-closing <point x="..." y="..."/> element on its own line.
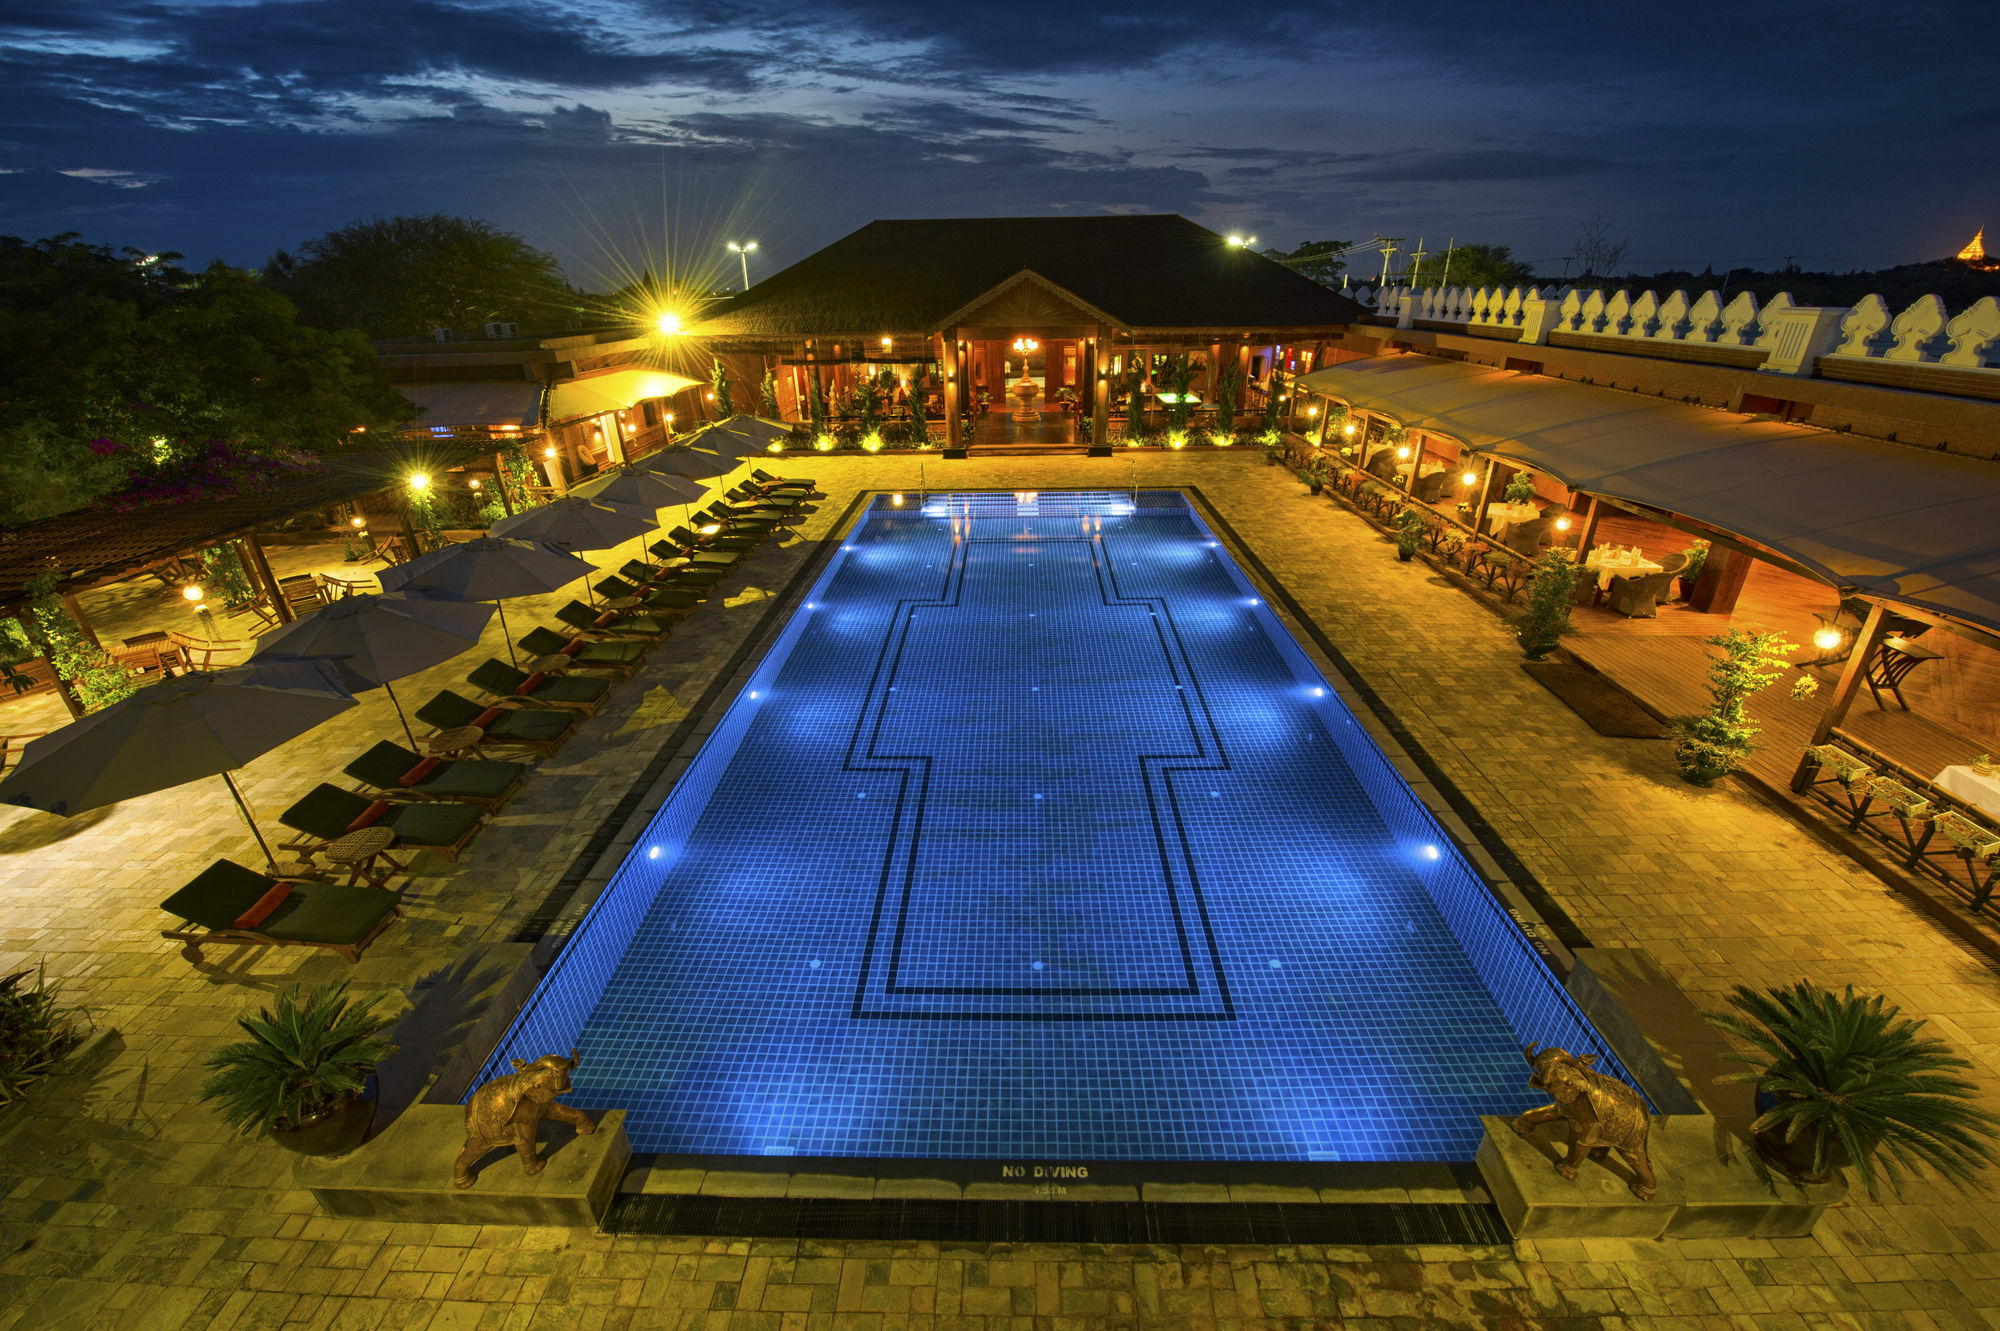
<point x="1501" y="518"/>
<point x="1619" y="561"/>
<point x="1982" y="792"/>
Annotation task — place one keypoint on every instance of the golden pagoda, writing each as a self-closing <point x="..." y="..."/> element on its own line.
<point x="1975" y="252"/>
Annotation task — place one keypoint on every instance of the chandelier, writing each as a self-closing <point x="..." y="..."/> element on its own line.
<point x="1024" y="345"/>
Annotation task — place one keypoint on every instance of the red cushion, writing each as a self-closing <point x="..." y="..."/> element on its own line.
<point x="368" y="815"/>
<point x="572" y="649"/>
<point x="261" y="911"/>
<point x="487" y="717"/>
<point x="528" y="684"/>
<point x="418" y="773"/>
<point x="609" y="616"/>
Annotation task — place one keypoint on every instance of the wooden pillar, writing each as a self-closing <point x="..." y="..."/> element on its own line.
<point x="1587" y="538"/>
<point x="1485" y="496"/>
<point x="1416" y="463"/>
<point x="576" y="459"/>
<point x="1873" y="630"/>
<point x="1100" y="390"/>
<point x="952" y="361"/>
<point x="70" y="701"/>
<point x="75" y="608"/>
<point x="614" y="439"/>
<point x="279" y="606"/>
<point x="1721" y="581"/>
<point x="500" y="480"/>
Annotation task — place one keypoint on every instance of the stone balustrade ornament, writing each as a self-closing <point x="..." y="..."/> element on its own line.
<point x="1925" y="333"/>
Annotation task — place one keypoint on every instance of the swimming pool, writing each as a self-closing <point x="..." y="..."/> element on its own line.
<point x="1035" y="835"/>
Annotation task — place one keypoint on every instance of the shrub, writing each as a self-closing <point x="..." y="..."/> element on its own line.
<point x="35" y="1031"/>
<point x="309" y="1050"/>
<point x="1716" y="743"/>
<point x="1546" y="619"/>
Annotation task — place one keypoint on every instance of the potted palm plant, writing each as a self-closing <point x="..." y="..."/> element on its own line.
<point x="1847" y="1080"/>
<point x="1697" y="555"/>
<point x="301" y="1075"/>
<point x="1316" y="472"/>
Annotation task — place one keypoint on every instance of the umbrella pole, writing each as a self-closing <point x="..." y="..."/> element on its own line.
<point x="398" y="704"/>
<point x="506" y="634"/>
<point x="244" y="809"/>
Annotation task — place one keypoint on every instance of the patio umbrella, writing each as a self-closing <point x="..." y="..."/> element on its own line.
<point x="380" y="638"/>
<point x="694" y="463"/>
<point x="487" y="569"/>
<point x="740" y="436"/>
<point x="203" y="723"/>
<point x="633" y="487"/>
<point x="574" y="523"/>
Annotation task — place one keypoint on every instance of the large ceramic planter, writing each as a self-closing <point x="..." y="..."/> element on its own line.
<point x="1317" y="488"/>
<point x="1406" y="555"/>
<point x="335" y="1132"/>
<point x="1795" y="1158"/>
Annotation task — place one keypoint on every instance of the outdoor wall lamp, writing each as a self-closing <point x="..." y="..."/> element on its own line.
<point x="1350" y="428"/>
<point x="550" y="452"/>
<point x="419" y="481"/>
<point x="473" y="484"/>
<point x="358" y="521"/>
<point x="191" y="592"/>
<point x="1468" y="479"/>
<point x="1404" y="452"/>
<point x="1563" y="523"/>
<point x="1828" y="639"/>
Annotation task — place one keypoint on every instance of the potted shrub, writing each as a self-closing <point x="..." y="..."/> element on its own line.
<point x="1843" y="1079"/>
<point x="1315" y="474"/>
<point x="1697" y="555"/>
<point x="1409" y="533"/>
<point x="1546" y="619"/>
<point x="1983" y="765"/>
<point x="1715" y="743"/>
<point x="300" y="1076"/>
<point x="1520" y="488"/>
<point x="36" y="1031"/>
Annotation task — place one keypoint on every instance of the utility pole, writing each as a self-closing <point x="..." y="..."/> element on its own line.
<point x="1450" y="247"/>
<point x="1417" y="257"/>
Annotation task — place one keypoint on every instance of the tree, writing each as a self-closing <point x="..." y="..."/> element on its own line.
<point x="1315" y="259"/>
<point x="404" y="276"/>
<point x="1595" y="252"/>
<point x="129" y="380"/>
<point x="1480" y="266"/>
<point x="1720" y="739"/>
<point x="718" y="378"/>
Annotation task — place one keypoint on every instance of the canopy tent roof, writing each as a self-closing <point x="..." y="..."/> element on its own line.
<point x="473" y="406"/>
<point x="570" y="399"/>
<point x="1151" y="271"/>
<point x="1893" y="521"/>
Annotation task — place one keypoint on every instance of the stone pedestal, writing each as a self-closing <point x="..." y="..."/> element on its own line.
<point x="405" y="1174"/>
<point x="1711" y="1185"/>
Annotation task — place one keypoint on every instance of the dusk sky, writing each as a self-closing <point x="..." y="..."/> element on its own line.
<point x="1841" y="134"/>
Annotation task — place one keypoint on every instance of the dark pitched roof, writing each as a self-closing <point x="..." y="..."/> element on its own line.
<point x="95" y="544"/>
<point x="1154" y="271"/>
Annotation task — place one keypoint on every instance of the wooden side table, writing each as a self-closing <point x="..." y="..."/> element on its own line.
<point x="358" y="852"/>
<point x="552" y="664"/>
<point x="454" y="742"/>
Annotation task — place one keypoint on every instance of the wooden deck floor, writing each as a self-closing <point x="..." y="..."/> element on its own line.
<point x="1664" y="663"/>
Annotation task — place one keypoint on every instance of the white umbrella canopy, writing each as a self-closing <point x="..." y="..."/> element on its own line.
<point x="487" y="568"/>
<point x="203" y="723"/>
<point x="381" y="638"/>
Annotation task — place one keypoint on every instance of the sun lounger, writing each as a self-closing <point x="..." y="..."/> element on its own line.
<point x="700" y="558"/>
<point x="681" y="573"/>
<point x="658" y="600"/>
<point x="395" y="771"/>
<point x="228" y="903"/>
<point x="585" y="622"/>
<point x="623" y="657"/>
<point x="503" y="681"/>
<point x="763" y="477"/>
<point x="539" y="728"/>
<point x="328" y="813"/>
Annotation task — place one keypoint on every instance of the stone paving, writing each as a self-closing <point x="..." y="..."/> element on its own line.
<point x="125" y="1204"/>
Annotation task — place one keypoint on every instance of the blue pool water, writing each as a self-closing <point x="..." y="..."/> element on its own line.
<point x="1036" y="836"/>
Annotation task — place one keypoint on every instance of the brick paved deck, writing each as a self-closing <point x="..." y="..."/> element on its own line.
<point x="125" y="1205"/>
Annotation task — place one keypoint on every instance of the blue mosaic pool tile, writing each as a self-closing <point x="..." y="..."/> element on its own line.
<point x="1041" y="839"/>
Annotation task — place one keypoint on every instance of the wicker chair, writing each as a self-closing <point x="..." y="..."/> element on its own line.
<point x="1639" y="598"/>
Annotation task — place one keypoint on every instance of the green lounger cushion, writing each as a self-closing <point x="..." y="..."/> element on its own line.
<point x="498" y="677"/>
<point x="388" y="764"/>
<point x="584" y="620"/>
<point x="328" y="811"/>
<point x="610" y="655"/>
<point x="313" y="913"/>
<point x="514" y="725"/>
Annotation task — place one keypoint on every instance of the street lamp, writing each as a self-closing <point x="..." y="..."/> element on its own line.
<point x="742" y="252"/>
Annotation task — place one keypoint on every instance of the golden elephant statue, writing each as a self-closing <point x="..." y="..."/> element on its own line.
<point x="509" y="1110"/>
<point x="1604" y="1114"/>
